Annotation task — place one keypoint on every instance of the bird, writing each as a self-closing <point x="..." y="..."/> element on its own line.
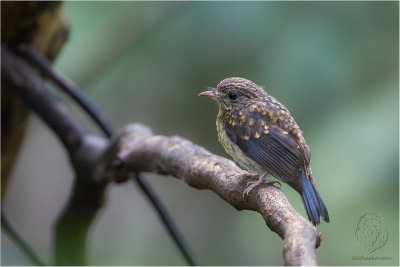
<point x="261" y="135"/>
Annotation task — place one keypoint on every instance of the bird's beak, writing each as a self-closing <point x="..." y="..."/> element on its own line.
<point x="210" y="94"/>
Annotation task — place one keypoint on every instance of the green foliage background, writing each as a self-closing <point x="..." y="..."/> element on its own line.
<point x="333" y="64"/>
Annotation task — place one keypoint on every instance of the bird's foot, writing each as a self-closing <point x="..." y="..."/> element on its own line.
<point x="252" y="185"/>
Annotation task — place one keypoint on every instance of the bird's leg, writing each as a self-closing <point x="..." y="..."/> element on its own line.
<point x="260" y="181"/>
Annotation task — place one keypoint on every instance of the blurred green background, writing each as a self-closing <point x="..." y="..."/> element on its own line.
<point x="333" y="64"/>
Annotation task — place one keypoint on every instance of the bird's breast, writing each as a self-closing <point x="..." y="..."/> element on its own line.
<point x="233" y="150"/>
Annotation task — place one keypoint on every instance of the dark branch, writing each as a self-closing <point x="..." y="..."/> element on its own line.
<point x="65" y="246"/>
<point x="67" y="86"/>
<point x="74" y="223"/>
<point x="74" y="92"/>
<point x="30" y="88"/>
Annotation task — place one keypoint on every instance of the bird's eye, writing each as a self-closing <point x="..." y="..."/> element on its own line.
<point x="232" y="96"/>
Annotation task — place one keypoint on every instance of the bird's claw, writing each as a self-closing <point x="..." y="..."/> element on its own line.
<point x="249" y="188"/>
<point x="254" y="184"/>
<point x="273" y="182"/>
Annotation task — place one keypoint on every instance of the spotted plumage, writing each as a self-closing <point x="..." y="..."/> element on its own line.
<point x="262" y="137"/>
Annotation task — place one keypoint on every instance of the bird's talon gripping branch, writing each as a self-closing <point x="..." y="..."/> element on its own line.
<point x="252" y="185"/>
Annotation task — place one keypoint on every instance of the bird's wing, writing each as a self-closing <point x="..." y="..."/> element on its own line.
<point x="274" y="149"/>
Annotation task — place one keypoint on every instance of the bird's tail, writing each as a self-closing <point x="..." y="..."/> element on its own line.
<point x="312" y="201"/>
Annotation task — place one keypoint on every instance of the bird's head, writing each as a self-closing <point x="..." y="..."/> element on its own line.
<point x="235" y="93"/>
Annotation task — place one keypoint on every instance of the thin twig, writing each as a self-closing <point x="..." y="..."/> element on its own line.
<point x="25" y="248"/>
<point x="167" y="220"/>
<point x="65" y="85"/>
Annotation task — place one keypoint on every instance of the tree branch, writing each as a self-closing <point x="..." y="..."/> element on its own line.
<point x="30" y="88"/>
<point x="141" y="151"/>
<point x="44" y="65"/>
